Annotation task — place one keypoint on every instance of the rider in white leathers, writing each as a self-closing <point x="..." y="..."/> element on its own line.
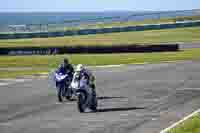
<point x="87" y="74"/>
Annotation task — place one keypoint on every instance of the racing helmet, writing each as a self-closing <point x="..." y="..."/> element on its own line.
<point x="65" y="61"/>
<point x="79" y="67"/>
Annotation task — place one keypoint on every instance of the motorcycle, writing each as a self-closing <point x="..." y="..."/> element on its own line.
<point x="63" y="82"/>
<point x="86" y="95"/>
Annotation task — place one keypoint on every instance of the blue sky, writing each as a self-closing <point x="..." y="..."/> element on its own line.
<point x="96" y="5"/>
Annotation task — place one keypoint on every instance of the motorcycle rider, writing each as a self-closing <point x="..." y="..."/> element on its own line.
<point x="65" y="68"/>
<point x="86" y="73"/>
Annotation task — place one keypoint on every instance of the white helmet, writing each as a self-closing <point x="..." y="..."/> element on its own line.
<point x="79" y="67"/>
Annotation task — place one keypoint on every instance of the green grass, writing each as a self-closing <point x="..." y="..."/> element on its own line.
<point x="191" y="125"/>
<point x="41" y="63"/>
<point x="140" y="37"/>
<point x="185" y="18"/>
<point x="46" y="61"/>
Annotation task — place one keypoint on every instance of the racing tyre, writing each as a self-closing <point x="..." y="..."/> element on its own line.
<point x="60" y="95"/>
<point x="69" y="98"/>
<point x="69" y="95"/>
<point x="94" y="102"/>
<point x="81" y="102"/>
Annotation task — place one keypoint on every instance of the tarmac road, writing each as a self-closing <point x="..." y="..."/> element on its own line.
<point x="132" y="99"/>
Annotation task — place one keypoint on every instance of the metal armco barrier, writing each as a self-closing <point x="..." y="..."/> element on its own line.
<point x="100" y="31"/>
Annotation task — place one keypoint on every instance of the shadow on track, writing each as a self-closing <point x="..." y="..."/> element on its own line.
<point x="71" y="100"/>
<point x="99" y="98"/>
<point x="106" y="97"/>
<point x="119" y="109"/>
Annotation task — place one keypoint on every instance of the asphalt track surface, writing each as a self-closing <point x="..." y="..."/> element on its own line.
<point x="132" y="99"/>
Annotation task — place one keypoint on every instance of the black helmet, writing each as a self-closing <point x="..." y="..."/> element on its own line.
<point x="65" y="61"/>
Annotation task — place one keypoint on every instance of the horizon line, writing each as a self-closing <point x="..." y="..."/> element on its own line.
<point x="99" y="11"/>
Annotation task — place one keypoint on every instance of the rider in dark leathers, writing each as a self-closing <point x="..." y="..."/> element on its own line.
<point x="65" y="68"/>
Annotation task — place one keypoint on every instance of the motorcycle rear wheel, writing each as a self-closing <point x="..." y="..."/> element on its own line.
<point x="69" y="95"/>
<point x="94" y="102"/>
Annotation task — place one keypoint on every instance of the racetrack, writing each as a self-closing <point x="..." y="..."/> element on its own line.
<point x="132" y="99"/>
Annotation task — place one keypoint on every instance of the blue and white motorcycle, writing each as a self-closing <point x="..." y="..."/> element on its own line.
<point x="86" y="95"/>
<point x="63" y="82"/>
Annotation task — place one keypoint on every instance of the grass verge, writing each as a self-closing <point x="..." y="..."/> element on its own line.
<point x="51" y="61"/>
<point x="48" y="62"/>
<point x="191" y="125"/>
<point x="191" y="34"/>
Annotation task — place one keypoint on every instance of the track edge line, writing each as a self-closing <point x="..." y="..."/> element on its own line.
<point x="180" y="121"/>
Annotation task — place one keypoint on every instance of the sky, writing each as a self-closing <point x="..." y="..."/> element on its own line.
<point x="96" y="5"/>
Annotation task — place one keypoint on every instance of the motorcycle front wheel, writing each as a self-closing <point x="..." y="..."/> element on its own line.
<point x="81" y="102"/>
<point x="60" y="94"/>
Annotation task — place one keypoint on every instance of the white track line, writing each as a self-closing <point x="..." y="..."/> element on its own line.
<point x="7" y="82"/>
<point x="4" y="84"/>
<point x="105" y="66"/>
<point x="177" y="123"/>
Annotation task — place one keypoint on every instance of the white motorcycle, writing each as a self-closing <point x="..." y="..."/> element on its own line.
<point x="86" y="95"/>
